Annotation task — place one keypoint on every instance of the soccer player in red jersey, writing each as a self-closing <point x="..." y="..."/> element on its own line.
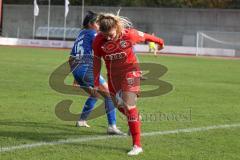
<point x="114" y="44"/>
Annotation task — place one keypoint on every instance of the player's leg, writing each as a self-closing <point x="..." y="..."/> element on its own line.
<point x="130" y="88"/>
<point x="127" y="106"/>
<point x="110" y="108"/>
<point x="155" y="49"/>
<point x="87" y="108"/>
<point x="134" y="123"/>
<point x="82" y="77"/>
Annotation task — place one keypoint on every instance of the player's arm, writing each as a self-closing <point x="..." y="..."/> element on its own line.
<point x="96" y="63"/>
<point x="139" y="36"/>
<point x="151" y="38"/>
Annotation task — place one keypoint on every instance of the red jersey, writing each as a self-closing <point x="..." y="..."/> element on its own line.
<point x="118" y="54"/>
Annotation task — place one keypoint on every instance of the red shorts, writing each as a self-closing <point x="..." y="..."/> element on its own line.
<point x="129" y="81"/>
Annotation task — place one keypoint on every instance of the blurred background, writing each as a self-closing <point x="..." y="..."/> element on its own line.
<point x="177" y="21"/>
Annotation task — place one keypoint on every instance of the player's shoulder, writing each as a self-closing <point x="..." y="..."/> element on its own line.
<point x="127" y="31"/>
<point x="130" y="30"/>
<point x="90" y="32"/>
<point x="99" y="38"/>
<point x="133" y="32"/>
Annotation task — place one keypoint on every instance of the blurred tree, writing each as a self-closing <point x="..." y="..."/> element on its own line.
<point x="208" y="3"/>
<point x="235" y="4"/>
<point x="142" y="3"/>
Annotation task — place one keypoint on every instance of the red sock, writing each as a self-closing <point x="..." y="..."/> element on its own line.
<point x="134" y="126"/>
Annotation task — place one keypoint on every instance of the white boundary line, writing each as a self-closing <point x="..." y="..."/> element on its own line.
<point x="88" y="139"/>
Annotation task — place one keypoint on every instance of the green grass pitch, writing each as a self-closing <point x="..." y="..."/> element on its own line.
<point x="206" y="93"/>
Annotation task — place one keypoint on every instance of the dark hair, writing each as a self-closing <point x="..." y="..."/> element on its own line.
<point x="90" y="17"/>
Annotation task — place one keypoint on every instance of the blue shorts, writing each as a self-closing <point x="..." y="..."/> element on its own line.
<point x="83" y="74"/>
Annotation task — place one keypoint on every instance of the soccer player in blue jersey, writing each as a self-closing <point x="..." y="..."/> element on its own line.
<point x="81" y="63"/>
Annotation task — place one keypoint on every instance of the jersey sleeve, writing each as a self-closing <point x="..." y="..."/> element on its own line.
<point x="138" y="36"/>
<point x="96" y="62"/>
<point x="92" y="36"/>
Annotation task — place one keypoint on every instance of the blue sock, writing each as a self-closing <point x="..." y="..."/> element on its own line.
<point x="110" y="110"/>
<point x="89" y="105"/>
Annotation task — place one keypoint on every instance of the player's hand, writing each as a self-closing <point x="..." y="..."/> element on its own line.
<point x="160" y="47"/>
<point x="93" y="91"/>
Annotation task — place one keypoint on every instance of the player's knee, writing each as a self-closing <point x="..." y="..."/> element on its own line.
<point x="129" y="107"/>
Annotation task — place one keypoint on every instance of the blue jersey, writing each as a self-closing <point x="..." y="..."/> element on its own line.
<point x="82" y="49"/>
